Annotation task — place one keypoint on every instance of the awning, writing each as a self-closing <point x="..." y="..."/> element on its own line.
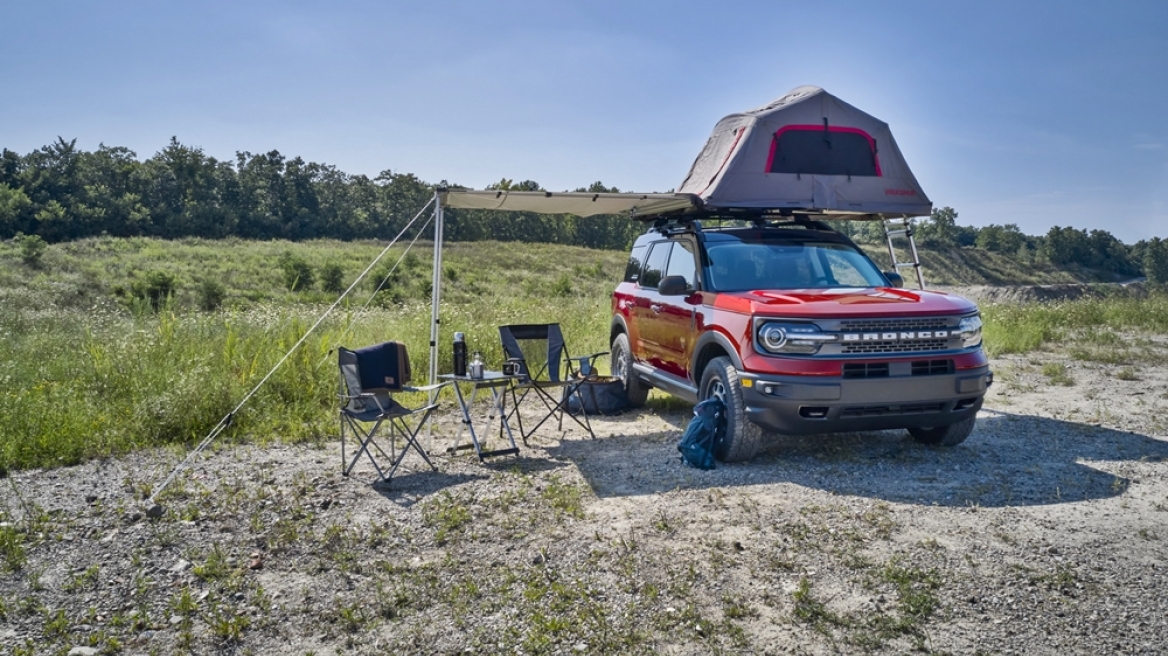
<point x="578" y="203"/>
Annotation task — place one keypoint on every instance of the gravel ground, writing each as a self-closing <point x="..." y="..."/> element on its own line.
<point x="1044" y="533"/>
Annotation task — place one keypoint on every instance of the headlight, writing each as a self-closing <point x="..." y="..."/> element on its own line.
<point x="970" y="330"/>
<point x="785" y="338"/>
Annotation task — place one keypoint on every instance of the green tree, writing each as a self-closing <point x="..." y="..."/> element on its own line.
<point x="14" y="206"/>
<point x="1155" y="260"/>
<point x="1001" y="239"/>
<point x="941" y="229"/>
<point x="32" y="248"/>
<point x="1065" y="246"/>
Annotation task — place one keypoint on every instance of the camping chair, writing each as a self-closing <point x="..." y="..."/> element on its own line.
<point x="539" y="350"/>
<point x="369" y="379"/>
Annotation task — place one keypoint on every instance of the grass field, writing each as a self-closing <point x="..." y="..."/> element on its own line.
<point x="88" y="371"/>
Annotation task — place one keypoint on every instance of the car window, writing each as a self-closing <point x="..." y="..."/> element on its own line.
<point x="655" y="265"/>
<point x="845" y="270"/>
<point x="681" y="263"/>
<point x="745" y="266"/>
<point x="633" y="267"/>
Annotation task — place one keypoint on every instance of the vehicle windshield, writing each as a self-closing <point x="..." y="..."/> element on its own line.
<point x="745" y="266"/>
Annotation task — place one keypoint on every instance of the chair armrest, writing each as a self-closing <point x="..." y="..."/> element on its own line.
<point x="587" y="367"/>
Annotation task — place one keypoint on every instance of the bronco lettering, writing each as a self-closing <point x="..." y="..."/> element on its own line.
<point x="891" y="337"/>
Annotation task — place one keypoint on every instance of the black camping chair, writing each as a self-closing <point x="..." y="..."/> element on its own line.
<point x="369" y="379"/>
<point x="545" y="365"/>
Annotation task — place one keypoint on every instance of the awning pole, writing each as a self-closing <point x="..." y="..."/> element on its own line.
<point x="435" y="299"/>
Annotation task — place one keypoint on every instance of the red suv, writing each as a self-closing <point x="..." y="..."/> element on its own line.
<point x="797" y="331"/>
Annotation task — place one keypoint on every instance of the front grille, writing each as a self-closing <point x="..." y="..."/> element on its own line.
<point x="932" y="367"/>
<point x="883" y="325"/>
<point x="885" y="410"/>
<point x="890" y="346"/>
<point x="866" y="370"/>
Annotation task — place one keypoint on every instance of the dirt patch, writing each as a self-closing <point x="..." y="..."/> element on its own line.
<point x="1019" y="294"/>
<point x="1043" y="533"/>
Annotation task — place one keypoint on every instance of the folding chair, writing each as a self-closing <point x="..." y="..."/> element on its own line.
<point x="369" y="379"/>
<point x="539" y="350"/>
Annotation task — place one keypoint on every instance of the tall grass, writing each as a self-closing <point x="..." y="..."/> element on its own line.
<point x="86" y="377"/>
<point x="1011" y="328"/>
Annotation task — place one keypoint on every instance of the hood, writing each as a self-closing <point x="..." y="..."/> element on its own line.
<point x="846" y="302"/>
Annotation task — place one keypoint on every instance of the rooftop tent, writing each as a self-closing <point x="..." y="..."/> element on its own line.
<point x="809" y="151"/>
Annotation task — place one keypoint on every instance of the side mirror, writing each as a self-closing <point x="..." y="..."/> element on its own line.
<point x="673" y="286"/>
<point x="894" y="278"/>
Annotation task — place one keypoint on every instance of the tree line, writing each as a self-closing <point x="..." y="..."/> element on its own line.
<point x="61" y="193"/>
<point x="1062" y="246"/>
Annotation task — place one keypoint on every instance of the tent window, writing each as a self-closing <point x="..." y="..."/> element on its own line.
<point x="813" y="150"/>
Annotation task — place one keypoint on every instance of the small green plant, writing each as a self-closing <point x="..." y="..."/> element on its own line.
<point x="566" y="499"/>
<point x="12" y="548"/>
<point x="215" y="567"/>
<point x="562" y="287"/>
<point x="1057" y="374"/>
<point x="84" y="580"/>
<point x="1127" y="373"/>
<point x="32" y="248"/>
<point x="447" y="515"/>
<point x="814" y="612"/>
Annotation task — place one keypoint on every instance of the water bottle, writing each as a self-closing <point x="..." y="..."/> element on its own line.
<point x="459" y="354"/>
<point x="476" y="366"/>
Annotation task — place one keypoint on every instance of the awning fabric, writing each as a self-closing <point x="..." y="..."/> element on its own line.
<point x="578" y="203"/>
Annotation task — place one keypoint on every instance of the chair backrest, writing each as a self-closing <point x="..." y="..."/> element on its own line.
<point x="383" y="367"/>
<point x="540" y="347"/>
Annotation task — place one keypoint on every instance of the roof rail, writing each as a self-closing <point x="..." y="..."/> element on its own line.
<point x="671" y="225"/>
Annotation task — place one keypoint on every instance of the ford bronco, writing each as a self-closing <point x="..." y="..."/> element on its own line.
<point x="796" y="330"/>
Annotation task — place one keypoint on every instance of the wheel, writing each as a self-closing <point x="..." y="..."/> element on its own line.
<point x="742" y="437"/>
<point x="950" y="435"/>
<point x="622" y="367"/>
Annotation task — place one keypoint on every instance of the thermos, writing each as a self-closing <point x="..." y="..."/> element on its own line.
<point x="476" y="366"/>
<point x="459" y="354"/>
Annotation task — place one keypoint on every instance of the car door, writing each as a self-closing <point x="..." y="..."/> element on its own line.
<point x="676" y="315"/>
<point x="647" y="306"/>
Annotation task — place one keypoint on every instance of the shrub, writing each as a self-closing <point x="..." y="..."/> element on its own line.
<point x="211" y="294"/>
<point x="32" y="247"/>
<point x="298" y="275"/>
<point x="332" y="278"/>
<point x="157" y="288"/>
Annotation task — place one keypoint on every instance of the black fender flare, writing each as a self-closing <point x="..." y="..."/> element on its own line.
<point x="699" y="358"/>
<point x="617" y="327"/>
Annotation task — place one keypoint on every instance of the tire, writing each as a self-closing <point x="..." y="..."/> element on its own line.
<point x="742" y="437"/>
<point x="950" y="435"/>
<point x="622" y="367"/>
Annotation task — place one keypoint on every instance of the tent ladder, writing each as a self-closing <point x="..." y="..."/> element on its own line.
<point x="906" y="231"/>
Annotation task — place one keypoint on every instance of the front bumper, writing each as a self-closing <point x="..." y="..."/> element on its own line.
<point x="797" y="405"/>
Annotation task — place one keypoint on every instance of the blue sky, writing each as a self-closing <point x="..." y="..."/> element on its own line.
<point x="1036" y="113"/>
